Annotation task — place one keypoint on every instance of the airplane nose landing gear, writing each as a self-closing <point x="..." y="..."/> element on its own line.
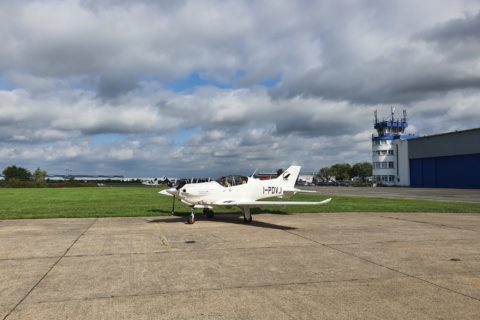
<point x="191" y="218"/>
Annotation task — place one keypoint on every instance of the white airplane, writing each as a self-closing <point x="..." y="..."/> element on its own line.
<point x="243" y="192"/>
<point x="156" y="182"/>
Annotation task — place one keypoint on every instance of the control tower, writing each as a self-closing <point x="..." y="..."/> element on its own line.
<point x="388" y="150"/>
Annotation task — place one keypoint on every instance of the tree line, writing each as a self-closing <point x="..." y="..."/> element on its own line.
<point x="345" y="171"/>
<point x="14" y="174"/>
<point x="21" y="177"/>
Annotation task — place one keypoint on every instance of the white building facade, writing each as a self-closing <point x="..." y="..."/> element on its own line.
<point x="390" y="151"/>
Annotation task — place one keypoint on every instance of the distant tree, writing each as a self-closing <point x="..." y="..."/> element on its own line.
<point x="279" y="172"/>
<point x="325" y="173"/>
<point x="341" y="171"/>
<point x="39" y="176"/>
<point x="16" y="173"/>
<point x="362" y="170"/>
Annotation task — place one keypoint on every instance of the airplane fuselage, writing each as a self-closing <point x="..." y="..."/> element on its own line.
<point x="208" y="193"/>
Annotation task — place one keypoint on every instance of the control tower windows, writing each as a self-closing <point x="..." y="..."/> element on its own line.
<point x="384" y="179"/>
<point x="384" y="165"/>
<point x="381" y="142"/>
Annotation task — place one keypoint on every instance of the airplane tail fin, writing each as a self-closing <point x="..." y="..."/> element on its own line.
<point x="289" y="177"/>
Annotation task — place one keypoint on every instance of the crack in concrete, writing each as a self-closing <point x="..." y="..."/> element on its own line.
<point x="383" y="266"/>
<point x="174" y="250"/>
<point x="429" y="223"/>
<point x="165" y="292"/>
<point x="396" y="241"/>
<point x="28" y="258"/>
<point x="179" y="250"/>
<point x="48" y="271"/>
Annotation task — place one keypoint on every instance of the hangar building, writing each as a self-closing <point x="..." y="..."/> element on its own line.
<point x="447" y="160"/>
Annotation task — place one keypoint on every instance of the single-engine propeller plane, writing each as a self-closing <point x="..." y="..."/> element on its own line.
<point x="240" y="191"/>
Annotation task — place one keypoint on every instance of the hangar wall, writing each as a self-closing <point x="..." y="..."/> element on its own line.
<point x="450" y="160"/>
<point x="445" y="144"/>
<point x="446" y="172"/>
<point x="403" y="172"/>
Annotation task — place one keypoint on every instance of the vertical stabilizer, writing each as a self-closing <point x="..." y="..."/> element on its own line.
<point x="289" y="177"/>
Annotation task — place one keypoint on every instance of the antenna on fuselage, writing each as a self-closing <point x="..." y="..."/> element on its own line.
<point x="254" y="172"/>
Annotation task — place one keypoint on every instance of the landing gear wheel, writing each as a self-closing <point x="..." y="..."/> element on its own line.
<point x="210" y="214"/>
<point x="191" y="218"/>
<point x="247" y="216"/>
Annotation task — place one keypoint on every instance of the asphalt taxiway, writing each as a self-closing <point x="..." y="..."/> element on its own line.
<point x="306" y="266"/>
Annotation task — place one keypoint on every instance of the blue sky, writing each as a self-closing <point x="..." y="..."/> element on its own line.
<point x="194" y="80"/>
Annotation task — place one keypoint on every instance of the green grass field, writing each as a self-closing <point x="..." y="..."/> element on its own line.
<point x="137" y="201"/>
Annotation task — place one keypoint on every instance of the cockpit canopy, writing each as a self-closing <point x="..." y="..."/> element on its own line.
<point x="231" y="181"/>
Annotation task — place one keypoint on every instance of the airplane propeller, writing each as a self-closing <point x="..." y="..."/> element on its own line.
<point x="174" y="191"/>
<point x="180" y="184"/>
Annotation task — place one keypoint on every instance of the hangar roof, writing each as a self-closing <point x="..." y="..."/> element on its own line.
<point x="445" y="144"/>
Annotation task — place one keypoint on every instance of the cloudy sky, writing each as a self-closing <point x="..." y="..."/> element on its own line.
<point x="205" y="87"/>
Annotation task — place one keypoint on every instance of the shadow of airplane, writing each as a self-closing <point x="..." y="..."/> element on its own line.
<point x="226" y="218"/>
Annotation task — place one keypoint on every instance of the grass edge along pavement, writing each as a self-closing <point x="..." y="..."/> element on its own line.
<point x="88" y="202"/>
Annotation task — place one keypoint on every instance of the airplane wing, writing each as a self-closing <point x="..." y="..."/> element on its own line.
<point x="269" y="203"/>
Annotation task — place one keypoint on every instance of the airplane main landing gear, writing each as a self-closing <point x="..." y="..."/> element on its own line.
<point x="191" y="218"/>
<point x="247" y="216"/>
<point x="208" y="212"/>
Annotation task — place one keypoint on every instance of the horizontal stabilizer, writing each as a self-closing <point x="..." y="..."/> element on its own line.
<point x="295" y="190"/>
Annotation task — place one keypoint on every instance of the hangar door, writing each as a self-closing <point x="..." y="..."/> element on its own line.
<point x="446" y="172"/>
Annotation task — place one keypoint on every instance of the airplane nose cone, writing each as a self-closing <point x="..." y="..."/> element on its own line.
<point x="170" y="191"/>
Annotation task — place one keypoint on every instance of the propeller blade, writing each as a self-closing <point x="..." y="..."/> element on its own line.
<point x="173" y="204"/>
<point x="181" y="184"/>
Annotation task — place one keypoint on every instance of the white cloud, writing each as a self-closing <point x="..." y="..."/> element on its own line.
<point x="282" y="81"/>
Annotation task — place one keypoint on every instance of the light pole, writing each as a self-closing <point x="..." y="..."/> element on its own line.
<point x="66" y="173"/>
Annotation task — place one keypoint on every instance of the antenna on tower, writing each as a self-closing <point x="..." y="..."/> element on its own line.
<point x="375" y="115"/>
<point x="404" y="115"/>
<point x="392" y="111"/>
